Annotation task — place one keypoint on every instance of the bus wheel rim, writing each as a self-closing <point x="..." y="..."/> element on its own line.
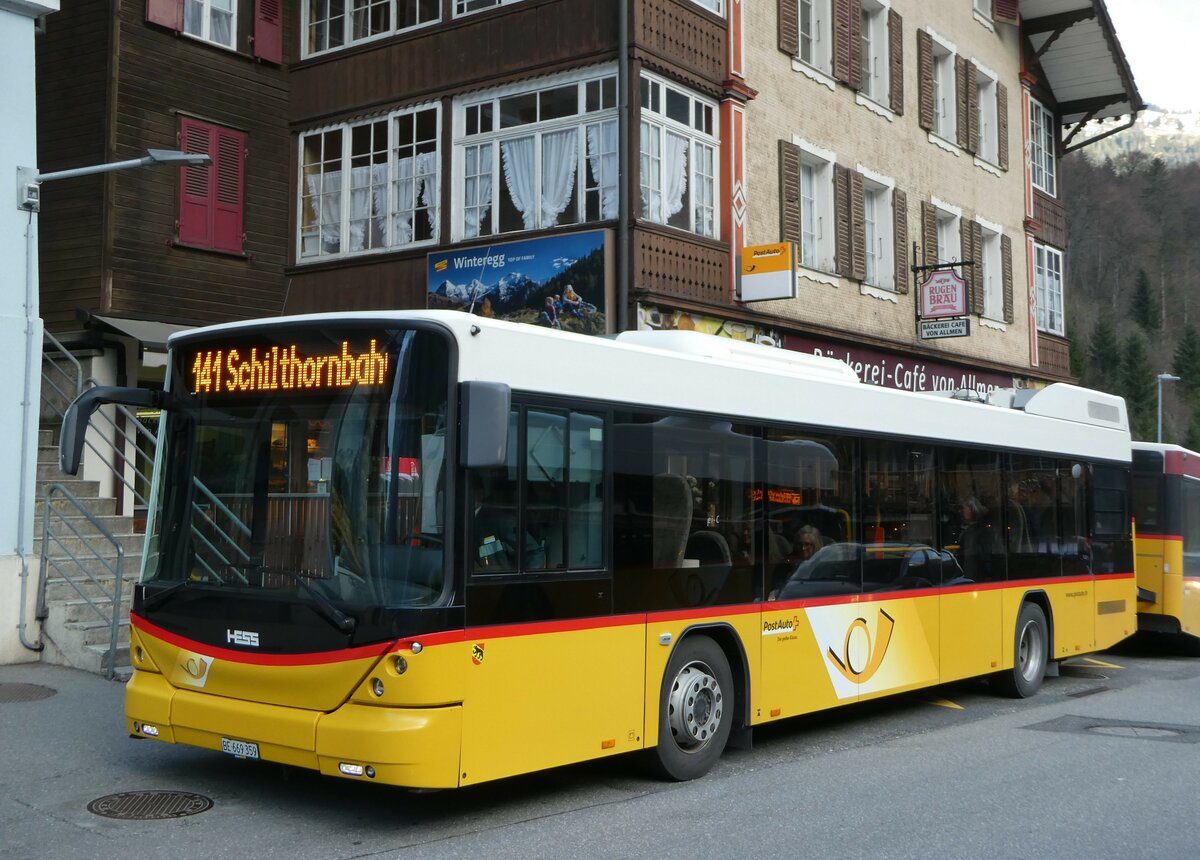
<point x="695" y="707"/>
<point x="1029" y="653"/>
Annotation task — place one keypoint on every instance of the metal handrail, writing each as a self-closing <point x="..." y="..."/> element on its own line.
<point x="67" y="562"/>
<point x="60" y="387"/>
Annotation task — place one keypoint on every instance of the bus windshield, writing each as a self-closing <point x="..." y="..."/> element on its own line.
<point x="304" y="466"/>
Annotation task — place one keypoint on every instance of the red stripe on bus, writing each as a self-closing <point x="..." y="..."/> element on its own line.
<point x="1182" y="463"/>
<point x="506" y="631"/>
<point x="315" y="658"/>
<point x="1147" y="536"/>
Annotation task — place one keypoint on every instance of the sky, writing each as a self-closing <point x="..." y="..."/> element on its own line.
<point x="1159" y="37"/>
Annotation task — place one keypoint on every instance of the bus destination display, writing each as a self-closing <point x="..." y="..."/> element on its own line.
<point x="284" y="367"/>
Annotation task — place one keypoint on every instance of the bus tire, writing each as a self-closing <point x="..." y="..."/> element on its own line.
<point x="696" y="710"/>
<point x="1031" y="652"/>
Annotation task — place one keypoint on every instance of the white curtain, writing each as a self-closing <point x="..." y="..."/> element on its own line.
<point x="675" y="165"/>
<point x="405" y="196"/>
<point x="325" y="201"/>
<point x="478" y="189"/>
<point x="602" y="158"/>
<point x="427" y="168"/>
<point x="560" y="157"/>
<point x="367" y="186"/>
<point x="519" y="178"/>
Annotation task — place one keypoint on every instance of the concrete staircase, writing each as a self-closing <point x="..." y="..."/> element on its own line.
<point x="74" y="632"/>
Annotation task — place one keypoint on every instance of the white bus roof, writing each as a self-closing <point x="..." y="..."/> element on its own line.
<point x="693" y="372"/>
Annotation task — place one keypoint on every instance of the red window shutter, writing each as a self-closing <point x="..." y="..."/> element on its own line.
<point x="196" y="185"/>
<point x="230" y="181"/>
<point x="165" y="13"/>
<point x="268" y="30"/>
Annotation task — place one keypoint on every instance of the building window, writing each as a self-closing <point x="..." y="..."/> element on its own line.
<point x="211" y="196"/>
<point x="816" y="210"/>
<point x="815" y="38"/>
<point x="679" y="155"/>
<point x="989" y="129"/>
<point x="532" y="158"/>
<point x="949" y="236"/>
<point x="873" y="54"/>
<point x="211" y="20"/>
<point x="991" y="274"/>
<point x="1047" y="268"/>
<point x="333" y="24"/>
<point x="466" y="7"/>
<point x="944" y="92"/>
<point x="714" y="6"/>
<point x="370" y="185"/>
<point x="878" y="234"/>
<point x="1042" y="148"/>
<point x="984" y="8"/>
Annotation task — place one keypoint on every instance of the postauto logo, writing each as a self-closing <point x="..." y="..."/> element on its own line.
<point x="872" y="651"/>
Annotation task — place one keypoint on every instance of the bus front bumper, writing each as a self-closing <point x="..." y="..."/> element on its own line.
<point x="412" y="747"/>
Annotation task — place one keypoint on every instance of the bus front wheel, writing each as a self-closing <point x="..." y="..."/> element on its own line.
<point x="1031" y="652"/>
<point x="695" y="711"/>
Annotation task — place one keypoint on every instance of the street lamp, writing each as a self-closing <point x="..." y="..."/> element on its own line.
<point x="1163" y="377"/>
<point x="29" y="199"/>
<point x="29" y="181"/>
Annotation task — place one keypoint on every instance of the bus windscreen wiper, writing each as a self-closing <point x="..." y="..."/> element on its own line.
<point x="149" y="601"/>
<point x="343" y="622"/>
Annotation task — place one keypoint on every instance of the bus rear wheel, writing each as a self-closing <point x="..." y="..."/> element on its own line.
<point x="1031" y="652"/>
<point x="695" y="712"/>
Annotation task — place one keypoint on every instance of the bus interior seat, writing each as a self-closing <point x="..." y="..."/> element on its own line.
<point x="710" y="547"/>
<point x="672" y="518"/>
<point x="1018" y="528"/>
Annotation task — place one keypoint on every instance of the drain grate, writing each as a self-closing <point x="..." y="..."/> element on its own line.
<point x="149" y="805"/>
<point x="1136" y="731"/>
<point x="24" y="693"/>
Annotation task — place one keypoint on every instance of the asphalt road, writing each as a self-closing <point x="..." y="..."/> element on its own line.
<point x="1103" y="762"/>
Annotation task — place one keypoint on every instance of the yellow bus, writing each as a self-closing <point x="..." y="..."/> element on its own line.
<point x="1166" y="509"/>
<point x="429" y="549"/>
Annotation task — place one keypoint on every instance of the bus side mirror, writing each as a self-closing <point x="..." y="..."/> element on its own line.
<point x="484" y="421"/>
<point x="75" y="422"/>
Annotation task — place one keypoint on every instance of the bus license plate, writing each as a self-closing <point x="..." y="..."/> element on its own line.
<point x="241" y="749"/>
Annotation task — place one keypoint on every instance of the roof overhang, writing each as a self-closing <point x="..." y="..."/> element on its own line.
<point x="1081" y="60"/>
<point x="151" y="334"/>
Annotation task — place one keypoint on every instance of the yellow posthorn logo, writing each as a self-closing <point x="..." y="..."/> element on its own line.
<point x="440" y="265"/>
<point x="858" y="671"/>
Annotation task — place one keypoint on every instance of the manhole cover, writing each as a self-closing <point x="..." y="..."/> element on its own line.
<point x="149" y="805"/>
<point x="1134" y="731"/>
<point x="24" y="693"/>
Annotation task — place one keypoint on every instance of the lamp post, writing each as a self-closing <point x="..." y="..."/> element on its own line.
<point x="1163" y="377"/>
<point x="28" y="199"/>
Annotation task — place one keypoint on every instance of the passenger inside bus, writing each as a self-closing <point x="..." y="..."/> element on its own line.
<point x="494" y="528"/>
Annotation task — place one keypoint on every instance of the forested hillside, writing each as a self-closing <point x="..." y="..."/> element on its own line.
<point x="1133" y="285"/>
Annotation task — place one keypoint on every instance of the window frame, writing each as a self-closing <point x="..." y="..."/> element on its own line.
<point x="1043" y="155"/>
<point x="879" y="195"/>
<point x="874" y="48"/>
<point x="987" y="111"/>
<point x="346" y="165"/>
<point x="824" y="249"/>
<point x="348" y="40"/>
<point x="702" y="136"/>
<point x="949" y="232"/>
<point x="596" y="84"/>
<point x="991" y="271"/>
<point x="1048" y="289"/>
<point x="819" y="39"/>
<point x="206" y="16"/>
<point x="945" y="90"/>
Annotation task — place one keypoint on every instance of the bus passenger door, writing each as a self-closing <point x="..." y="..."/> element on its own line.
<point x="554" y="678"/>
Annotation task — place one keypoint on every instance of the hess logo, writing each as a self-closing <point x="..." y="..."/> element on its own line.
<point x="248" y="638"/>
<point x="861" y="656"/>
